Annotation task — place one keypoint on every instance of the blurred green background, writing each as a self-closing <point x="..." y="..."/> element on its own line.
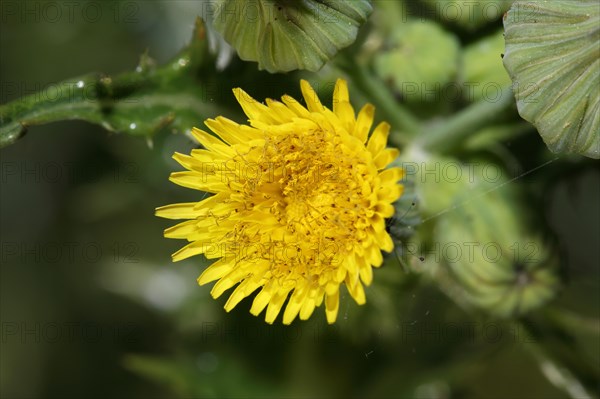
<point x="91" y="305"/>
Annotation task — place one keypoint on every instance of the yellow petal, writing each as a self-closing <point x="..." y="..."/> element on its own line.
<point x="216" y="271"/>
<point x="384" y="240"/>
<point x="198" y="181"/>
<point x="378" y="139"/>
<point x="194" y="248"/>
<point x="211" y="143"/>
<point x="294" y="305"/>
<point x="342" y="107"/>
<point x="364" y="123"/>
<point x="357" y="292"/>
<point x="261" y="300"/>
<point x="391" y="176"/>
<point x="295" y="106"/>
<point x="310" y="96"/>
<point x="184" y="210"/>
<point x="390" y="193"/>
<point x="182" y="230"/>
<point x="281" y="110"/>
<point x="374" y="256"/>
<point x="231" y="132"/>
<point x="307" y="309"/>
<point x="332" y="304"/>
<point x="350" y="264"/>
<point x="275" y="305"/>
<point x="386" y="157"/>
<point x="252" y="108"/>
<point x="340" y="93"/>
<point x="228" y="281"/>
<point x="385" y="209"/>
<point x="245" y="288"/>
<point x="366" y="274"/>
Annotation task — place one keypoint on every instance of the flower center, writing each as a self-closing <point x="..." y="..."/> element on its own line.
<point x="322" y="188"/>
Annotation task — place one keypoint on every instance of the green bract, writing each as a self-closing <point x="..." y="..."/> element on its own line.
<point x="420" y="57"/>
<point x="499" y="269"/>
<point x="283" y="35"/>
<point x="553" y="58"/>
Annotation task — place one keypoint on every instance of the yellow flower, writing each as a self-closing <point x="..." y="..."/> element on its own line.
<point x="299" y="205"/>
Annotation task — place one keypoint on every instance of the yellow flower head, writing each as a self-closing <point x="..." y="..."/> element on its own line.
<point x="299" y="205"/>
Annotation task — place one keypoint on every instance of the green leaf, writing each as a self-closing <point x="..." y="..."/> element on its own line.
<point x="553" y="57"/>
<point x="419" y="58"/>
<point x="284" y="35"/>
<point x="138" y="103"/>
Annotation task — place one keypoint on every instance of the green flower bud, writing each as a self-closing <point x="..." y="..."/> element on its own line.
<point x="482" y="249"/>
<point x="483" y="69"/>
<point x="468" y="14"/>
<point x="418" y="58"/>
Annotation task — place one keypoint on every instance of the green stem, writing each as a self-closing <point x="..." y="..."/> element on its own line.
<point x="451" y="133"/>
<point x="139" y="103"/>
<point x="398" y="116"/>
